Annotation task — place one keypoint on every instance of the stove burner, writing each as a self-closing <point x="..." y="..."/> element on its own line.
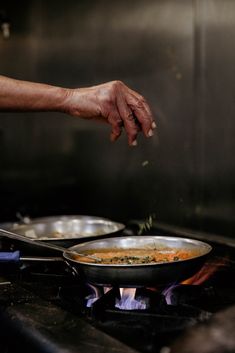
<point x="149" y="320"/>
<point x="128" y="300"/>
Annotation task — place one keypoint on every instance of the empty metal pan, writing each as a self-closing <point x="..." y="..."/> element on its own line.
<point x="67" y="230"/>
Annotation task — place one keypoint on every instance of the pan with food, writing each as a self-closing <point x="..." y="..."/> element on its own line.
<point x="131" y="261"/>
<point x="135" y="261"/>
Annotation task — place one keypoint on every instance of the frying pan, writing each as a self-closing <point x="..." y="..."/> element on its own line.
<point x="66" y="230"/>
<point x="62" y="230"/>
<point x="138" y="275"/>
<point x="132" y="275"/>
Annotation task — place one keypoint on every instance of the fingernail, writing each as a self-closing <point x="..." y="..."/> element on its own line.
<point x="150" y="133"/>
<point x="134" y="143"/>
<point x="154" y="125"/>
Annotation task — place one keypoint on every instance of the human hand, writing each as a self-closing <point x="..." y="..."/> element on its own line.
<point x="114" y="103"/>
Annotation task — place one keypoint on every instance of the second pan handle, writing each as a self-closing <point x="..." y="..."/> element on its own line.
<point x="37" y="243"/>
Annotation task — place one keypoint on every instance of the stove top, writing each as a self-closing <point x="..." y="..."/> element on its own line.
<point x="46" y="308"/>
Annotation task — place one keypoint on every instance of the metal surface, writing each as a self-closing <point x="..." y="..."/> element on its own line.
<point x="180" y="56"/>
<point x="76" y="169"/>
<point x="67" y="228"/>
<point x="144" y="274"/>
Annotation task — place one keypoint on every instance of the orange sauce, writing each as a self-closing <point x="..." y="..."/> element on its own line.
<point x="137" y="256"/>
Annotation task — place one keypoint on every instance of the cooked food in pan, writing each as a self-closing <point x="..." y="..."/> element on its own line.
<point x="117" y="256"/>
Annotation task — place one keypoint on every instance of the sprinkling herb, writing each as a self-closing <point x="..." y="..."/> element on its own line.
<point x="147" y="224"/>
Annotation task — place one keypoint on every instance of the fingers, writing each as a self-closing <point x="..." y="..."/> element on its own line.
<point x="135" y="113"/>
<point x="128" y="120"/>
<point x="143" y="113"/>
<point x="116" y="123"/>
<point x="120" y="106"/>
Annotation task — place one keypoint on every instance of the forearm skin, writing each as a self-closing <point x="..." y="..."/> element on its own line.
<point x="17" y="95"/>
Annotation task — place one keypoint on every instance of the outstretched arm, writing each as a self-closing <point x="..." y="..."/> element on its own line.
<point x="111" y="102"/>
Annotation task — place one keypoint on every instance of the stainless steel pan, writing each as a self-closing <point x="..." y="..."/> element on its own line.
<point x="133" y="275"/>
<point x="66" y="230"/>
<point x="159" y="274"/>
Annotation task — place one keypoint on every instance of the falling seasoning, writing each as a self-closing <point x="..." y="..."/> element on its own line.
<point x="146" y="225"/>
<point x="145" y="163"/>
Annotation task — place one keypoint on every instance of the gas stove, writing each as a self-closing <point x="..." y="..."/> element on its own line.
<point x="47" y="308"/>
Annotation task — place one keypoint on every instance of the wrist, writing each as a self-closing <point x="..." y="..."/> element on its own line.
<point x="61" y="98"/>
<point x="67" y="101"/>
<point x="80" y="102"/>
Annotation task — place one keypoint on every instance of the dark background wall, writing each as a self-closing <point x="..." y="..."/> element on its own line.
<point x="180" y="56"/>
